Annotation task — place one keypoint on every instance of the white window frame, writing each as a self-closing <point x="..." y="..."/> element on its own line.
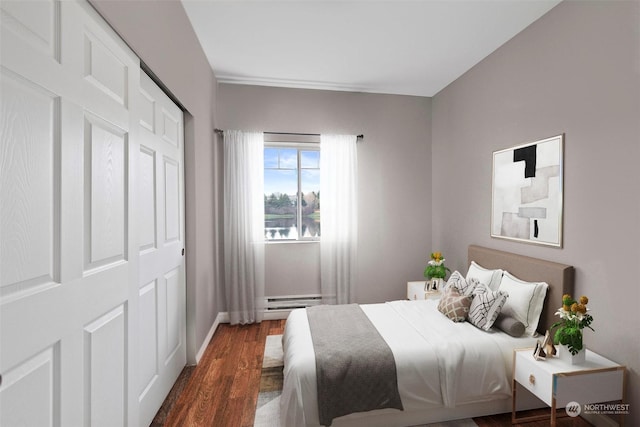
<point x="299" y="146"/>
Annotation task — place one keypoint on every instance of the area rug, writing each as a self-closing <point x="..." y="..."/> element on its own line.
<point x="268" y="406"/>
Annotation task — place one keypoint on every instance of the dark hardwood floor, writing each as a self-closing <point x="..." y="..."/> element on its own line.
<point x="505" y="420"/>
<point x="222" y="390"/>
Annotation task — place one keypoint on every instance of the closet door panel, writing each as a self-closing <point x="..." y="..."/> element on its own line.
<point x="161" y="219"/>
<point x="68" y="286"/>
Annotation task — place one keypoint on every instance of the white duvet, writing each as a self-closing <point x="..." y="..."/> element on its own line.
<point x="439" y="363"/>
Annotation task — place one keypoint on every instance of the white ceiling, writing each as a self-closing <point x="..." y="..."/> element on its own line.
<point x="399" y="47"/>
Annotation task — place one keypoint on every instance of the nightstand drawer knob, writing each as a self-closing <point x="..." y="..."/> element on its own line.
<point x="532" y="380"/>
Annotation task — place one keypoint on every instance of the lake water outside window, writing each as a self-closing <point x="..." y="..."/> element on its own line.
<point x="292" y="192"/>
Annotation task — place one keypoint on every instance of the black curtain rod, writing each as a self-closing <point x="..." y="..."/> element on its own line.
<point x="221" y="132"/>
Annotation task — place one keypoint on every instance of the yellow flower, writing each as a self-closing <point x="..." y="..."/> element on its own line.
<point x="581" y="308"/>
<point x="574" y="307"/>
<point x="566" y="296"/>
<point x="584" y="300"/>
<point x="566" y="307"/>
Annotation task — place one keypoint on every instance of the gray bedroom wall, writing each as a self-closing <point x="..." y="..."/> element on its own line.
<point x="575" y="71"/>
<point x="161" y="35"/>
<point x="394" y="175"/>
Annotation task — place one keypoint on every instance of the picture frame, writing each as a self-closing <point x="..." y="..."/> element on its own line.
<point x="547" y="345"/>
<point x="527" y="192"/>
<point x="538" y="352"/>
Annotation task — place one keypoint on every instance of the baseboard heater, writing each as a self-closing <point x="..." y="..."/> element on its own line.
<point x="289" y="302"/>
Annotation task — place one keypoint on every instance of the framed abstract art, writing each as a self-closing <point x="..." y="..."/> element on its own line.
<point x="527" y="192"/>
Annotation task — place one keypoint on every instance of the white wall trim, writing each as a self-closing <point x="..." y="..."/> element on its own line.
<point x="222" y="317"/>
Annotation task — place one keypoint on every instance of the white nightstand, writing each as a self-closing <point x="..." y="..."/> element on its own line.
<point x="557" y="383"/>
<point x="415" y="291"/>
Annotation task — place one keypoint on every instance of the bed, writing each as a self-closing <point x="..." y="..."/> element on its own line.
<point x="438" y="377"/>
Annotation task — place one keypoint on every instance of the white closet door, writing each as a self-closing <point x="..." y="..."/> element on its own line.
<point x="161" y="317"/>
<point x="68" y="262"/>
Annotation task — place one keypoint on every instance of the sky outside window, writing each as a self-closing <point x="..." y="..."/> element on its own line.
<point x="281" y="171"/>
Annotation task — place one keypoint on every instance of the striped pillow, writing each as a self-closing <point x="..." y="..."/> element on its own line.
<point x="464" y="286"/>
<point x="454" y="306"/>
<point x="486" y="306"/>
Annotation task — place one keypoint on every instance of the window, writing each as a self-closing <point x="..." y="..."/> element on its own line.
<point x="292" y="191"/>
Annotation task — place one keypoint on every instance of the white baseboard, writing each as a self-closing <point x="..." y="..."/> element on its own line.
<point x="220" y="318"/>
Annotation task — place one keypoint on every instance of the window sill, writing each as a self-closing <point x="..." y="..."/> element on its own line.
<point x="289" y="242"/>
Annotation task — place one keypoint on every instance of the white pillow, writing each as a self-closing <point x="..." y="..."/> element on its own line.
<point x="463" y="286"/>
<point x="526" y="300"/>
<point x="485" y="306"/>
<point x="491" y="278"/>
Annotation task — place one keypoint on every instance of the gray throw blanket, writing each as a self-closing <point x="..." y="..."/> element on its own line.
<point x="355" y="368"/>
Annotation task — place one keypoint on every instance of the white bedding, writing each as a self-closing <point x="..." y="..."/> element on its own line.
<point x="439" y="363"/>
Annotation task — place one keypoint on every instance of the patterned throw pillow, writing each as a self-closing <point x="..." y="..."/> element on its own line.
<point x="486" y="306"/>
<point x="454" y="306"/>
<point x="457" y="281"/>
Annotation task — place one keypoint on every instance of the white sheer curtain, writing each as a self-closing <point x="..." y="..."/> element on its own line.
<point x="339" y="216"/>
<point x="244" y="225"/>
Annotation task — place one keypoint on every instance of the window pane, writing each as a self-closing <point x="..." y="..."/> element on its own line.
<point x="310" y="180"/>
<point x="288" y="158"/>
<point x="310" y="186"/>
<point x="310" y="159"/>
<point x="280" y="216"/>
<point x="281" y="198"/>
<point x="271" y="157"/>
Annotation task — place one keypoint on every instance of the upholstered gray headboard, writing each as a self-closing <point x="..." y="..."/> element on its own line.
<point x="560" y="277"/>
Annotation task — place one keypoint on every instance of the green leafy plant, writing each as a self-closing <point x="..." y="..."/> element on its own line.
<point x="435" y="267"/>
<point x="574" y="317"/>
